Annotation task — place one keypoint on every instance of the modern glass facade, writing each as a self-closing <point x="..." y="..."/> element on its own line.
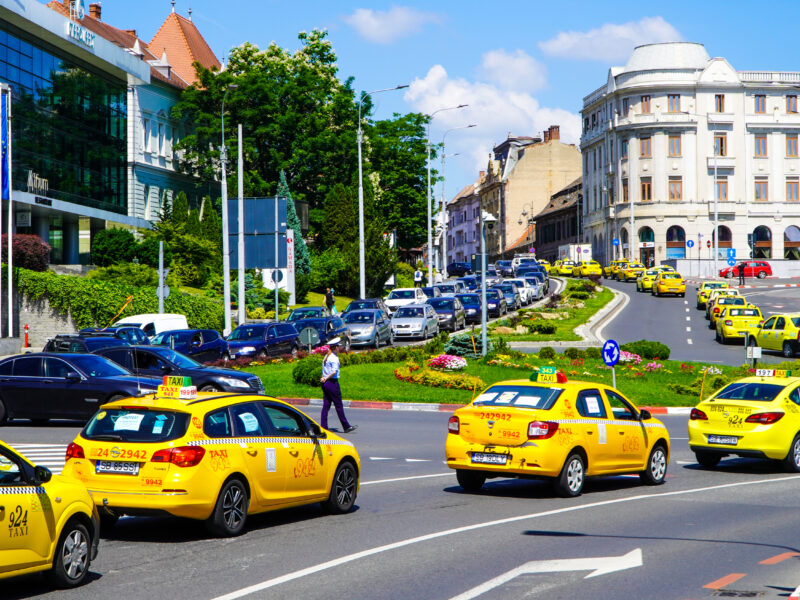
<point x="68" y="124"/>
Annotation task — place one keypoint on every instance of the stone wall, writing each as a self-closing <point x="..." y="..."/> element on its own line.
<point x="43" y="321"/>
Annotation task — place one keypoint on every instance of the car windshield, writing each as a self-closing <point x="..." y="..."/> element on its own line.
<point x="670" y="276"/>
<point x="519" y="282"/>
<point x="179" y="359"/>
<point x="509" y="289"/>
<point x="652" y="272"/>
<point x="246" y="333"/>
<point x="306" y="313"/>
<point x="359" y="317"/>
<point x="760" y="392"/>
<point x="127" y="324"/>
<point x="469" y="298"/>
<point x="636" y="266"/>
<point x="714" y="286"/>
<point x="442" y="303"/>
<point x="745" y="312"/>
<point x="409" y="312"/>
<point x="97" y="366"/>
<point x="446" y="289"/>
<point x="519" y="396"/>
<point x="503" y="263"/>
<point x="357" y="304"/>
<point x="532" y="280"/>
<point x="136" y="425"/>
<point x="568" y="262"/>
<point x="428" y="292"/>
<point x="401" y="294"/>
<point x="494" y="294"/>
<point x="732" y="300"/>
<point x="525" y="261"/>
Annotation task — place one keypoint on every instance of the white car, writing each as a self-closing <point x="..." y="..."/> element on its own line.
<point x="523" y="261"/>
<point x="415" y="321"/>
<point x="449" y="289"/>
<point x="527" y="292"/>
<point x="403" y="297"/>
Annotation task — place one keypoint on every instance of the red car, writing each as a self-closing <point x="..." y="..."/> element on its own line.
<point x="752" y="268"/>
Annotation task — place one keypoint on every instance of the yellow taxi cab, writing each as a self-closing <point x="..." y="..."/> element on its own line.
<point x="645" y="280"/>
<point x="611" y="269"/>
<point x="779" y="332"/>
<point x="757" y="417"/>
<point x="545" y="264"/>
<point x="556" y="430"/>
<point x="211" y="456"/>
<point x="714" y="308"/>
<point x="664" y="268"/>
<point x="564" y="267"/>
<point x="588" y="268"/>
<point x="705" y="290"/>
<point x="48" y="523"/>
<point x="669" y="282"/>
<point x="736" y="321"/>
<point x="631" y="271"/>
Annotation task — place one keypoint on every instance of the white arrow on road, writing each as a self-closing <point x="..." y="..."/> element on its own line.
<point x="598" y="566"/>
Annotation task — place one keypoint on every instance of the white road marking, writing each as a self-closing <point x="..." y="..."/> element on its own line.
<point x="686" y="309"/>
<point x="688" y="318"/>
<point x="51" y="456"/>
<point x="688" y="329"/>
<point x="686" y="302"/>
<point x="686" y="462"/>
<point x="689" y="341"/>
<point x="418" y="460"/>
<point x="406" y="478"/>
<point x="379" y="458"/>
<point x="348" y="558"/>
<point x="675" y="438"/>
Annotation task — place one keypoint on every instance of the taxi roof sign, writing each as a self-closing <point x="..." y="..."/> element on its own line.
<point x="548" y="375"/>
<point x="772" y="373"/>
<point x="177" y="387"/>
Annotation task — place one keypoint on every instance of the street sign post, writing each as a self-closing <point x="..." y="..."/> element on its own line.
<point x="615" y="241"/>
<point x="611" y="358"/>
<point x="731" y="252"/>
<point x="690" y="243"/>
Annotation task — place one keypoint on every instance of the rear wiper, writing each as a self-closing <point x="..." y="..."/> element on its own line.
<point x="111" y="437"/>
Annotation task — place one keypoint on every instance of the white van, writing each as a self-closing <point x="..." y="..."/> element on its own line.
<point x="153" y="323"/>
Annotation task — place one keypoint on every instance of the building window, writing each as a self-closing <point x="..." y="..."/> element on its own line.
<point x="761" y="145"/>
<point x="722" y="189"/>
<point x="760" y="103"/>
<point x="644" y="147"/>
<point x="762" y="190"/>
<point x="674" y="103"/>
<point x="645" y="105"/>
<point x="146" y="135"/>
<point x="624" y="107"/>
<point x="791" y="104"/>
<point x="675" y="189"/>
<point x="719" y="103"/>
<point x="624" y="149"/>
<point x="791" y="145"/>
<point x="647" y="190"/>
<point x="792" y="190"/>
<point x="160" y="139"/>
<point x="720" y="144"/>
<point x="674" y="145"/>
<point x="625" y="190"/>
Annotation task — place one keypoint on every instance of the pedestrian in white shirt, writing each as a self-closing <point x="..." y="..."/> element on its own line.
<point x="330" y="387"/>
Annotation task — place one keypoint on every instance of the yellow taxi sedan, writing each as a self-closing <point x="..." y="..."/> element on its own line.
<point x="780" y="333"/>
<point x="588" y="268"/>
<point x="611" y="269"/>
<point x="545" y="264"/>
<point x="705" y="290"/>
<point x="734" y="322"/>
<point x="214" y="457"/>
<point x="757" y="417"/>
<point x="669" y="282"/>
<point x="716" y="306"/>
<point x="47" y="523"/>
<point x="630" y="272"/>
<point x="645" y="280"/>
<point x="559" y="431"/>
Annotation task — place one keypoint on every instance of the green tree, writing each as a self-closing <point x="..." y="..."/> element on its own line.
<point x="147" y="252"/>
<point x="113" y="246"/>
<point x="340" y="227"/>
<point x="193" y="223"/>
<point x="180" y="208"/>
<point x="211" y="225"/>
<point x="301" y="256"/>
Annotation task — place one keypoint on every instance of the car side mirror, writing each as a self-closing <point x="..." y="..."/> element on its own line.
<point x="72" y="376"/>
<point x="195" y="343"/>
<point x="644" y="415"/>
<point x="317" y="433"/>
<point x="41" y="475"/>
<point x="166" y="368"/>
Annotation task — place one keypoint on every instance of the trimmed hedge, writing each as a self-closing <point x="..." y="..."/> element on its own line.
<point x="308" y="370"/>
<point x="547" y="352"/>
<point x="647" y="349"/>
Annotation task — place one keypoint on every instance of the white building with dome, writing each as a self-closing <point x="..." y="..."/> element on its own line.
<point x="654" y="136"/>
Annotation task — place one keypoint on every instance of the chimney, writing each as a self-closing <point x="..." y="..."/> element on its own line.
<point x="554" y="132"/>
<point x="547" y="136"/>
<point x="94" y="10"/>
<point x="129" y="31"/>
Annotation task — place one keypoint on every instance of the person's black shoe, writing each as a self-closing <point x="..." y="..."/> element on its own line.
<point x="351" y="428"/>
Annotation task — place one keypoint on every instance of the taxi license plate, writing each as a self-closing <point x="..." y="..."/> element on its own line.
<point x="489" y="459"/>
<point x="115" y="466"/>
<point x="728" y="440"/>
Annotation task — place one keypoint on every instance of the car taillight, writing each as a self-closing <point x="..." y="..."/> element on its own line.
<point x="74" y="451"/>
<point x="453" y="425"/>
<point x="541" y="430"/>
<point x="765" y="418"/>
<point x="183" y="456"/>
<point x="728" y="322"/>
<point x="716" y="310"/>
<point x="697" y="415"/>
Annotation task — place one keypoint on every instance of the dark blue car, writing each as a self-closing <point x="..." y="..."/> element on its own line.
<point x="327" y="326"/>
<point x="260" y="340"/>
<point x="203" y="345"/>
<point x="130" y="335"/>
<point x="496" y="304"/>
<point x="472" y="306"/>
<point x="470" y="282"/>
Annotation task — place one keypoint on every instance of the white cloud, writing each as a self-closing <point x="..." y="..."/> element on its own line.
<point x="513" y="70"/>
<point x="386" y="27"/>
<point x="611" y="42"/>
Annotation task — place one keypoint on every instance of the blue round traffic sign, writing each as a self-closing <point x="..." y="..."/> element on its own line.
<point x="689" y="243"/>
<point x="615" y="241"/>
<point x="731" y="262"/>
<point x="611" y="353"/>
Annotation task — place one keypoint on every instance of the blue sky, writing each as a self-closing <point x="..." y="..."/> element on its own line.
<point x="520" y="65"/>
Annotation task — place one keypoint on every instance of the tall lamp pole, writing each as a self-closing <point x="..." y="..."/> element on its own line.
<point x="226" y="251"/>
<point x="528" y="220"/>
<point x="430" y="211"/>
<point x="359" y="138"/>
<point x="490" y="219"/>
<point x="444" y="201"/>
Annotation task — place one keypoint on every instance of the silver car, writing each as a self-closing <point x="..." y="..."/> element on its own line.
<point x="415" y="321"/>
<point x="368" y="327"/>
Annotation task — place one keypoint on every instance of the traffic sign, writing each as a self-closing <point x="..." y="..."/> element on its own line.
<point x="708" y="243"/>
<point x="611" y="353"/>
<point x="163" y="290"/>
<point x="615" y="241"/>
<point x="731" y="262"/>
<point x="531" y="249"/>
<point x="690" y="243"/>
<point x="309" y="336"/>
<point x="731" y="252"/>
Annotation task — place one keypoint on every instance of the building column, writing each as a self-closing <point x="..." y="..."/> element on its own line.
<point x="70" y="234"/>
<point x="40" y="224"/>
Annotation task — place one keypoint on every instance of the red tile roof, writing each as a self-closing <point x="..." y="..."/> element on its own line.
<point x="523" y="240"/>
<point x="184" y="46"/>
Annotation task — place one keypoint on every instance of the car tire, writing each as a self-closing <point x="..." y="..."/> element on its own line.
<point x="470" y="481"/>
<point x="682" y="295"/>
<point x="573" y="475"/>
<point x="346" y="345"/>
<point x="707" y="460"/>
<point x="753" y="342"/>
<point x="262" y="355"/>
<point x="376" y="343"/>
<point x="209" y="387"/>
<point x="295" y="350"/>
<point x="344" y="488"/>
<point x="792" y="461"/>
<point x="3" y="413"/>
<point x="761" y="274"/>
<point x="656" y="471"/>
<point x="729" y="275"/>
<point x="788" y="352"/>
<point x="72" y="555"/>
<point x="225" y="356"/>
<point x="230" y="512"/>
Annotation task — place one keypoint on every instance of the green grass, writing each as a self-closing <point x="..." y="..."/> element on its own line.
<point x="317" y="299"/>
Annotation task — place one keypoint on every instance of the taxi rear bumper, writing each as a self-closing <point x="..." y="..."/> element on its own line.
<point x="523" y="461"/>
<point x="758" y="443"/>
<point x="149" y="503"/>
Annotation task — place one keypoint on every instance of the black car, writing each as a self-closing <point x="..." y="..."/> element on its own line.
<point x="260" y="340"/>
<point x="451" y="314"/>
<point x="82" y="344"/>
<point x="472" y="306"/>
<point x="44" y="386"/>
<point x="496" y="303"/>
<point x="458" y="269"/>
<point x="157" y="361"/>
<point x="205" y="345"/>
<point x="131" y="335"/>
<point x="504" y="268"/>
<point x="367" y="304"/>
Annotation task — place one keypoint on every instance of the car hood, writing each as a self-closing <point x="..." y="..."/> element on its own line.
<point x="408" y="321"/>
<point x="399" y="301"/>
<point x="315" y="322"/>
<point x="218" y="371"/>
<point x="234" y="344"/>
<point x="359" y="326"/>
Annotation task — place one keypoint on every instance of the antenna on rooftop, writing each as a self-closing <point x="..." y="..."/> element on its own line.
<point x="190" y="12"/>
<point x="173" y="5"/>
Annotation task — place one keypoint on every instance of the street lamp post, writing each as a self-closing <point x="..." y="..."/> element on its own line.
<point x="528" y="220"/>
<point x="359" y="138"/>
<point x="490" y="219"/>
<point x="430" y="211"/>
<point x="443" y="208"/>
<point x="226" y="251"/>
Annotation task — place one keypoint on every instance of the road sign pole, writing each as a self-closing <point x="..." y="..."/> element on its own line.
<point x="614" y="377"/>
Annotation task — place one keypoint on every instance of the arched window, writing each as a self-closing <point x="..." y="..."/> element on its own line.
<point x="646" y="235"/>
<point x="624" y="236"/>
<point x="762" y="242"/>
<point x="676" y="242"/>
<point x="725" y="237"/>
<point x="791" y="243"/>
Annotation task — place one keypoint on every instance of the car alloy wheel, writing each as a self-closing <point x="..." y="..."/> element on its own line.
<point x="656" y="470"/>
<point x="792" y="460"/>
<point x="762" y="274"/>
<point x="570" y="482"/>
<point x="344" y="488"/>
<point x="787" y="350"/>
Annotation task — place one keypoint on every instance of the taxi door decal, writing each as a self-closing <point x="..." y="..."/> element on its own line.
<point x="272" y="461"/>
<point x="601" y="428"/>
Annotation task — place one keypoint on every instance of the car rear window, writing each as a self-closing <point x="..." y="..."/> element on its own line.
<point x="759" y="392"/>
<point x="519" y="396"/>
<point x="744" y="312"/>
<point x="136" y="425"/>
<point x="670" y="276"/>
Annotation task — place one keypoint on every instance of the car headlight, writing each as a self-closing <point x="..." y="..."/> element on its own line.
<point x="492" y="304"/>
<point x="236" y="383"/>
<point x="246" y="349"/>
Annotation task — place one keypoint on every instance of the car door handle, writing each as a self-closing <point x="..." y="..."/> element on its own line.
<point x="252" y="451"/>
<point x="294" y="452"/>
<point x="621" y="432"/>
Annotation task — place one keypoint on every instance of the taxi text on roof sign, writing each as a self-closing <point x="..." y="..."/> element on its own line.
<point x="177" y="387"/>
<point x="772" y="373"/>
<point x="547" y="375"/>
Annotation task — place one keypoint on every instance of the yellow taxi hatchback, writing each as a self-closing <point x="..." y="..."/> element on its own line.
<point x="734" y="322"/>
<point x="757" y="417"/>
<point x="705" y="289"/>
<point x="589" y="268"/>
<point x="47" y="523"/>
<point x="564" y="267"/>
<point x="780" y="333"/>
<point x="645" y="280"/>
<point x="669" y="282"/>
<point x="217" y="458"/>
<point x="563" y="432"/>
<point x="545" y="264"/>
<point x="715" y="306"/>
<point x="630" y="271"/>
<point x="611" y="269"/>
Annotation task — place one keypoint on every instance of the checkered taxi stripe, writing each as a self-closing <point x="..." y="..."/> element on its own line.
<point x="22" y="489"/>
<point x="607" y="422"/>
<point x="267" y="440"/>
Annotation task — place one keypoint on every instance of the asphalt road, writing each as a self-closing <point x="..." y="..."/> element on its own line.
<point x="415" y="534"/>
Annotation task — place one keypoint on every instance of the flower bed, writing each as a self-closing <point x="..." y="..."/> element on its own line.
<point x="447" y="362"/>
<point x="434" y="378"/>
